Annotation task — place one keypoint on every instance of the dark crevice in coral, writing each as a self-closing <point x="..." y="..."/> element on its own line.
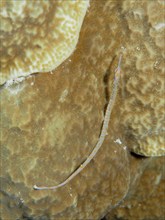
<point x="106" y="82"/>
<point x="137" y="155"/>
<point x="106" y="89"/>
<point x="104" y="218"/>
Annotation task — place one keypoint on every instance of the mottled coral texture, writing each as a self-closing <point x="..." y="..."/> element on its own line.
<point x="50" y="122"/>
<point x="146" y="197"/>
<point x="37" y="36"/>
<point x="144" y="77"/>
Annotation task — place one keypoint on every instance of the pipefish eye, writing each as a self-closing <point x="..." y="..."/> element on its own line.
<point x="100" y="140"/>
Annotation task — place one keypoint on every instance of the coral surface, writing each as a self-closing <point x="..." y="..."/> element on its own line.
<point x="146" y="197"/>
<point x="144" y="77"/>
<point x="51" y="122"/>
<point x="37" y="36"/>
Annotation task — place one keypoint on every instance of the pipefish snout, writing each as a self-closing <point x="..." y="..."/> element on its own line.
<point x="102" y="135"/>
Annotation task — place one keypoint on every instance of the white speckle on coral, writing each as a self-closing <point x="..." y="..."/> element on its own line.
<point x="63" y="96"/>
<point x="138" y="48"/>
<point x="13" y="85"/>
<point x="156" y="64"/>
<point x="118" y="141"/>
<point x="159" y="26"/>
<point x="125" y="147"/>
<point x="14" y="81"/>
<point x="158" y="178"/>
<point x="123" y="48"/>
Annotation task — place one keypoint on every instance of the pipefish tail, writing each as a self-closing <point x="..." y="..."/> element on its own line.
<point x="101" y="137"/>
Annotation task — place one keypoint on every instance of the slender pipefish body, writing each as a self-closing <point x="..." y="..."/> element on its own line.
<point x="101" y="137"/>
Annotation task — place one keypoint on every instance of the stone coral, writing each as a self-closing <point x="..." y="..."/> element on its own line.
<point x="37" y="36"/>
<point x="49" y="122"/>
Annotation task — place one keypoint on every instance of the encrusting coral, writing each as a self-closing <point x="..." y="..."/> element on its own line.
<point x="145" y="199"/>
<point x="37" y="36"/>
<point x="144" y="83"/>
<point x="51" y="122"/>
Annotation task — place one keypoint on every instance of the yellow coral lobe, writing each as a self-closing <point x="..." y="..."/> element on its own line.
<point x="37" y="36"/>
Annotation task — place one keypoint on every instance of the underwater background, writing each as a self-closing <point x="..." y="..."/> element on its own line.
<point x="58" y="71"/>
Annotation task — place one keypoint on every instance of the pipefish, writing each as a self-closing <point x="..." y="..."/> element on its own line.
<point x="101" y="137"/>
